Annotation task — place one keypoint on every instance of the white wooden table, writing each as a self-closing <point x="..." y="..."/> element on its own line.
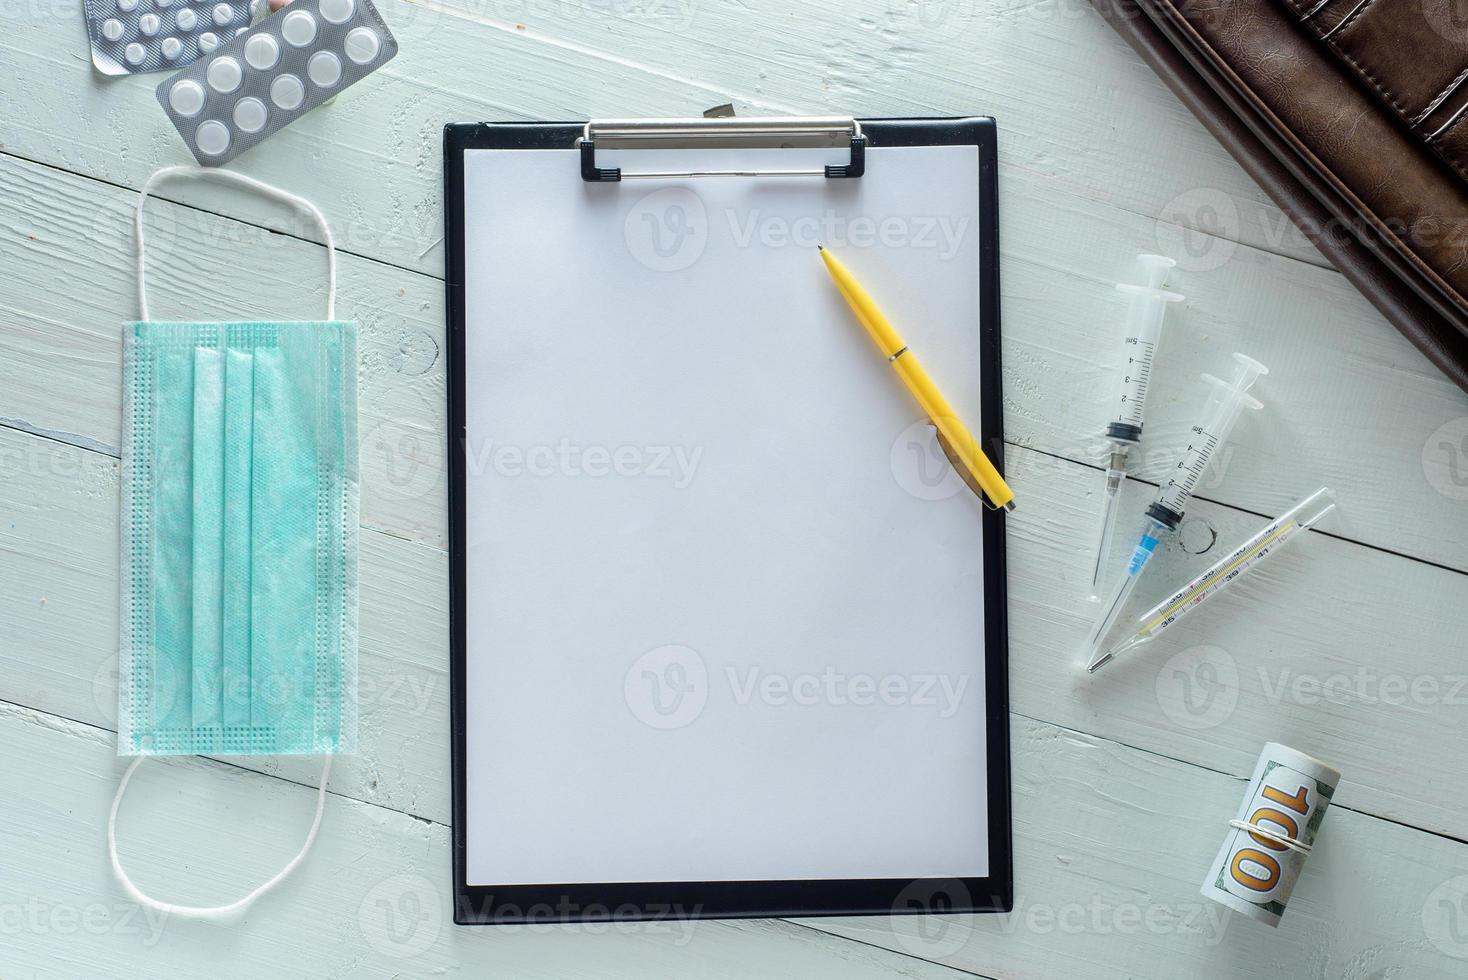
<point x="1354" y="651"/>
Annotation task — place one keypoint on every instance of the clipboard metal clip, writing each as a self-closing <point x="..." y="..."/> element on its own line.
<point x="726" y="132"/>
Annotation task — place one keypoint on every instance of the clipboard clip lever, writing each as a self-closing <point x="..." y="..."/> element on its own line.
<point x="725" y="132"/>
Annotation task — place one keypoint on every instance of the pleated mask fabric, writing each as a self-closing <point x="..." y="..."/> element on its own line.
<point x="239" y="540"/>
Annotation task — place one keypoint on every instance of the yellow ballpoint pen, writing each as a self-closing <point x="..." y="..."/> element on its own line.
<point x="962" y="450"/>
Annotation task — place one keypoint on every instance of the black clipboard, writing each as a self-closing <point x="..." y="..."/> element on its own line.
<point x="651" y="901"/>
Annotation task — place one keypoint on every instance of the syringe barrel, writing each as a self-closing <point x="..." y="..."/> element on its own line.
<point x="1146" y="308"/>
<point x="1226" y="399"/>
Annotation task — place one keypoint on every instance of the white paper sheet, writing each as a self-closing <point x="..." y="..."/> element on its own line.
<point x="725" y="616"/>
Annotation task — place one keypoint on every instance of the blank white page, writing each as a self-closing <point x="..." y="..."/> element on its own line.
<point x="724" y="597"/>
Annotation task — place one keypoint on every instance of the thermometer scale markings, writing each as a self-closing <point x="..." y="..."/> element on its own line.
<point x="1212" y="582"/>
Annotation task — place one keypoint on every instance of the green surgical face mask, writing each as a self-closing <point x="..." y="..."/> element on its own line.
<point x="239" y="536"/>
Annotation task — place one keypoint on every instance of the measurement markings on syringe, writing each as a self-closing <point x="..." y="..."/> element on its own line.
<point x="1193" y="463"/>
<point x="1136" y="382"/>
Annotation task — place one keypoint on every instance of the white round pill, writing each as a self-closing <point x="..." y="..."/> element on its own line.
<point x="362" y="45"/>
<point x="149" y="24"/>
<point x="324" y="68"/>
<point x="212" y="137"/>
<point x="134" y="53"/>
<point x="224" y="74"/>
<point x="127" y="6"/>
<point x="262" y="51"/>
<point x="298" y="28"/>
<point x="112" y="28"/>
<point x="186" y="97"/>
<point x="337" y="11"/>
<point x="287" y="92"/>
<point x="171" y="47"/>
<point x="208" y="42"/>
<point x="223" y="14"/>
<point x="186" y="19"/>
<point x="250" y="114"/>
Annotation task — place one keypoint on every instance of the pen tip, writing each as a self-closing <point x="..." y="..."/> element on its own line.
<point x="1091" y="668"/>
<point x="820" y="248"/>
<point x="1008" y="506"/>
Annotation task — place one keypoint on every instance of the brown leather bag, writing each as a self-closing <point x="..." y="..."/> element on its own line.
<point x="1353" y="116"/>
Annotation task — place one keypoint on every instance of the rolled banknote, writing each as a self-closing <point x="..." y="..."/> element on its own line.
<point x="1269" y="840"/>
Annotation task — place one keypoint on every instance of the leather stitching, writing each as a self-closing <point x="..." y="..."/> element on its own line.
<point x="1433" y="139"/>
<point x="1175" y="28"/>
<point x="1452" y="86"/>
<point x="1361" y="8"/>
<point x="1451" y="154"/>
<point x="1385" y="92"/>
<point x="1461" y="118"/>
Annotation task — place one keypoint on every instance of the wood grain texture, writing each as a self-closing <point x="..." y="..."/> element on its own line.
<point x="1343" y="388"/>
<point x="1108" y="847"/>
<point x="1076" y="129"/>
<point x="1349" y="647"/>
<point x="370" y="902"/>
<point x="71" y="272"/>
<point x="1268" y="661"/>
<point x="1099" y="898"/>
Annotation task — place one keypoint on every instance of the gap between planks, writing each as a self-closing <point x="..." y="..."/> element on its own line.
<point x="90" y="445"/>
<point x="55" y="439"/>
<point x="1097" y="467"/>
<point x="83" y="443"/>
<point x="103" y="730"/>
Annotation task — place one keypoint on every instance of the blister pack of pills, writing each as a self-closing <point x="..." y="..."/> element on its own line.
<point x="274" y="73"/>
<point x="131" y="36"/>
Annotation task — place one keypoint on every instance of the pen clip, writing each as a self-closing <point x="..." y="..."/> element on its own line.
<point x="962" y="471"/>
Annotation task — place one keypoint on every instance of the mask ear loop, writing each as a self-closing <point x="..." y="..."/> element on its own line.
<point x="215" y="913"/>
<point x="220" y="912"/>
<point x="229" y="176"/>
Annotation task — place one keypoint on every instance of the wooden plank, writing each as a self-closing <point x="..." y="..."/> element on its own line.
<point x="372" y="899"/>
<point x="78" y="234"/>
<point x="1354" y="676"/>
<point x="1079" y="111"/>
<point x="1353" y="679"/>
<point x="59" y="588"/>
<point x="1348" y="402"/>
<point x="1344" y="388"/>
<point x="1346" y="652"/>
<point x="1111" y="848"/>
<point x="1111" y="845"/>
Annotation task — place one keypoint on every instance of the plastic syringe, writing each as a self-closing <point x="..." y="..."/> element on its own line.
<point x="1145" y="313"/>
<point x="1269" y="540"/>
<point x="1226" y="399"/>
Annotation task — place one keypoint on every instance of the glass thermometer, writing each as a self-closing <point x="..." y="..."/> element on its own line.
<point x="1269" y="540"/>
